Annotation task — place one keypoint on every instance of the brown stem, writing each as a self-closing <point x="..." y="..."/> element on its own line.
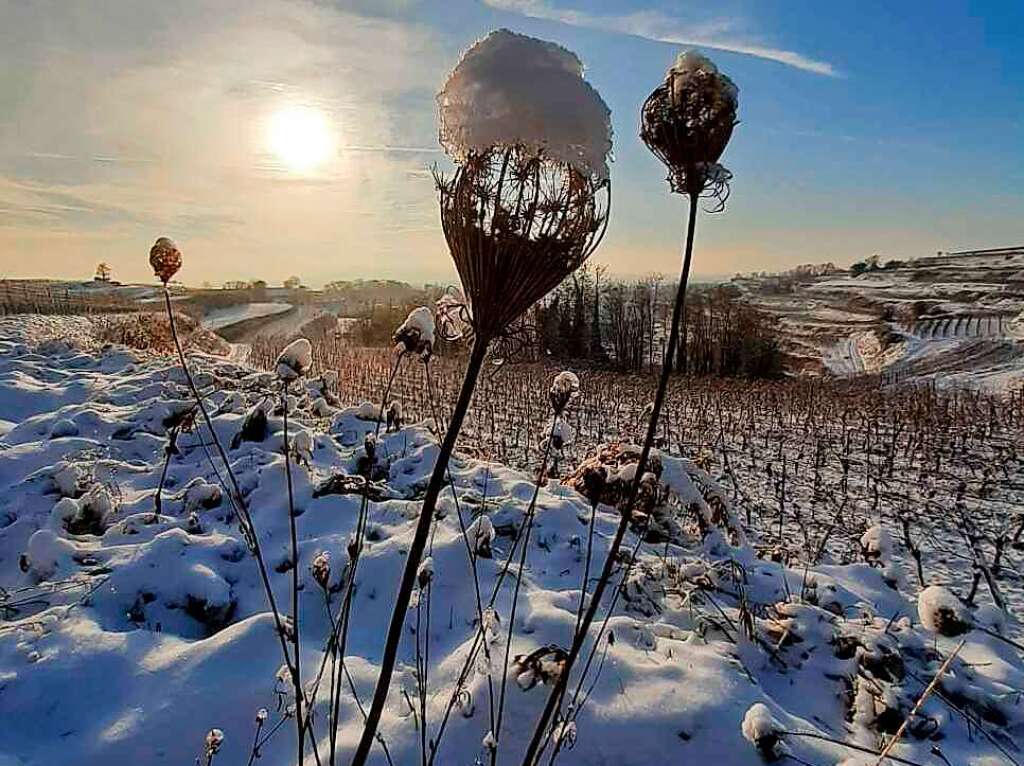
<point x="412" y="563"/>
<point x="533" y="751"/>
<point x="297" y="667"/>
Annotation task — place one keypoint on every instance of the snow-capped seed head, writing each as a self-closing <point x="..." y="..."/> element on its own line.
<point x="876" y="544"/>
<point x="214" y="739"/>
<point x="565" y="734"/>
<point x="480" y="535"/>
<point x="512" y="90"/>
<point x="426" y="572"/>
<point x="302" y="443"/>
<point x="295" y="360"/>
<point x="688" y="120"/>
<point x="283" y="681"/>
<point x="562" y="435"/>
<point x="942" y="612"/>
<point x="565" y="388"/>
<point x="762" y="731"/>
<point x="416" y="334"/>
<point x="165" y="258"/>
<point x="262" y="715"/>
<point x="490" y="742"/>
<point x="321" y="569"/>
<point x="370" y="444"/>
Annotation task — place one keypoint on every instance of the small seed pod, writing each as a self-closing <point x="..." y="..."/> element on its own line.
<point x="321" y="569"/>
<point x="214" y="739"/>
<point x="426" y="572"/>
<point x="565" y="388"/>
<point x="165" y="258"/>
<point x="295" y="360"/>
<point x="688" y="120"/>
<point x="594" y="479"/>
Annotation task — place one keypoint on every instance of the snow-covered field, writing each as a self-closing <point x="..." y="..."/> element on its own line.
<point x="126" y="634"/>
<point x="952" y="319"/>
<point x="219" y="319"/>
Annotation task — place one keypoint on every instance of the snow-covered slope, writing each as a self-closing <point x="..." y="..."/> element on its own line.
<point x="950" y="318"/>
<point x="127" y="634"/>
<point x="220" y="319"/>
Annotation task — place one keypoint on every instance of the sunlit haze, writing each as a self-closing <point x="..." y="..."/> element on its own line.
<point x="279" y="137"/>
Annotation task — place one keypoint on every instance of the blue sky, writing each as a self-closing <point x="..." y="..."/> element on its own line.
<point x="895" y="128"/>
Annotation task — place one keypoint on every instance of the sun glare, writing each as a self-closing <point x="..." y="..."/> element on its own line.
<point x="300" y="137"/>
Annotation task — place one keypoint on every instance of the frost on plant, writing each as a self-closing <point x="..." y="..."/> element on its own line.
<point x="295" y="360"/>
<point x="512" y="90"/>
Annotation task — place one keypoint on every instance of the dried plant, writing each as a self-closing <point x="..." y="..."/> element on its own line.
<point x="686" y="122"/>
<point x="523" y="209"/>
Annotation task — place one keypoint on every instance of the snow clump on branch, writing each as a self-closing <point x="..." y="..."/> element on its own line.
<point x="295" y="360"/>
<point x="513" y="90"/>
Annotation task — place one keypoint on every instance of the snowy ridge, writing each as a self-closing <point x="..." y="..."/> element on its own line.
<point x="135" y="633"/>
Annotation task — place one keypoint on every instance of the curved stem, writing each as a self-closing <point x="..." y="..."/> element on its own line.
<point x="419" y="543"/>
<point x="293" y="531"/>
<point x="554" y="700"/>
<point x="234" y="491"/>
<point x="530" y="516"/>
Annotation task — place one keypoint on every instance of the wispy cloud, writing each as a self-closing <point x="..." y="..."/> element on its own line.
<point x="656" y="26"/>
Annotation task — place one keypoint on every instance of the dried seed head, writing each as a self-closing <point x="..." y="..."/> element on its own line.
<point x="528" y="201"/>
<point x="426" y="572"/>
<point x="165" y="258"/>
<point x="416" y="334"/>
<point x="688" y="120"/>
<point x="295" y="360"/>
<point x="321" y="569"/>
<point x="262" y="715"/>
<point x="214" y="739"/>
<point x="565" y="389"/>
<point x="490" y="742"/>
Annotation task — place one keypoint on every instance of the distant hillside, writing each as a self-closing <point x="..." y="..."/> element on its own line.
<point x="949" y="317"/>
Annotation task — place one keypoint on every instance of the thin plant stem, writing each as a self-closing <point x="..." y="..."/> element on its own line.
<point x="586" y="566"/>
<point x="397" y="625"/>
<point x="234" y="491"/>
<point x="533" y="750"/>
<point x="387" y="393"/>
<point x="531" y="515"/>
<point x="920" y="701"/>
<point x="293" y="532"/>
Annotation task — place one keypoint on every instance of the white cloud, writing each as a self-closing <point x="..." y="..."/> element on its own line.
<point x="652" y="25"/>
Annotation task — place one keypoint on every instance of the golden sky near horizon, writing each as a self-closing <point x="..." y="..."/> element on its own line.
<point x="280" y="137"/>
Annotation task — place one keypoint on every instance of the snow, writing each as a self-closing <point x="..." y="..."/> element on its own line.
<point x="295" y="360"/>
<point x="760" y="729"/>
<point x="416" y="334"/>
<point x="942" y="612"/>
<point x="691" y="64"/>
<point x="509" y="89"/>
<point x="218" y="319"/>
<point x="142" y="634"/>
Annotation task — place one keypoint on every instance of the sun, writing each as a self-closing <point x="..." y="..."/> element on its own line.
<point x="300" y="137"/>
